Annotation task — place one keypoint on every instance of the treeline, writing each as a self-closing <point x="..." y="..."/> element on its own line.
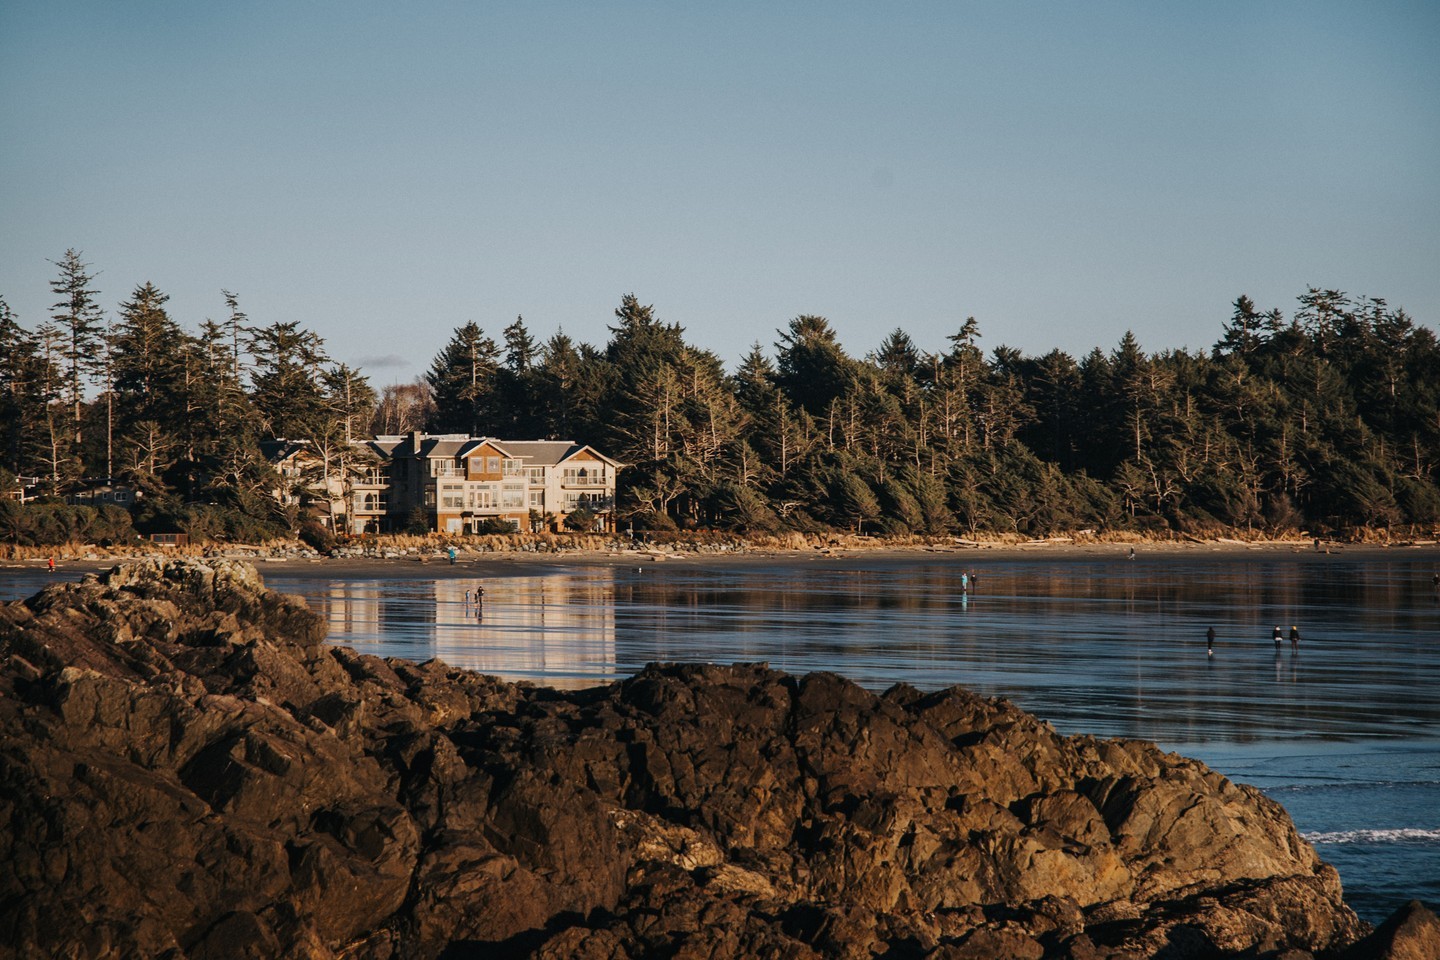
<point x="1325" y="420"/>
<point x="179" y="416"/>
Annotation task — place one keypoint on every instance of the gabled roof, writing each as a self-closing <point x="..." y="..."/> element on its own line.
<point x="279" y="450"/>
<point x="434" y="448"/>
<point x="428" y="445"/>
<point x="384" y="446"/>
<point x="550" y="452"/>
<point x="476" y="445"/>
<point x="450" y="446"/>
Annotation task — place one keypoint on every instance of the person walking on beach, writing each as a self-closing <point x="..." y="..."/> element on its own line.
<point x="1210" y="642"/>
<point x="52" y="564"/>
<point x="452" y="556"/>
<point x="1277" y="637"/>
<point x="1294" y="636"/>
<point x="964" y="582"/>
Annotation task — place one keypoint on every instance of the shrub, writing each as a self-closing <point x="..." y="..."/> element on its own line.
<point x="417" y="523"/>
<point x="494" y="525"/>
<point x="314" y="535"/>
<point x="581" y="521"/>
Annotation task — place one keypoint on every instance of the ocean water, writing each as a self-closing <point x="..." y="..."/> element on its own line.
<point x="1343" y="728"/>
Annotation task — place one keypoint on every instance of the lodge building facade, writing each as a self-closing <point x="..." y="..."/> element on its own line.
<point x="463" y="484"/>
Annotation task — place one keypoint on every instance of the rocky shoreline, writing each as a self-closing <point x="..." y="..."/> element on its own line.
<point x="188" y="770"/>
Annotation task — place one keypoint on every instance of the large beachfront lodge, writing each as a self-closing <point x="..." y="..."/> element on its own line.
<point x="464" y="484"/>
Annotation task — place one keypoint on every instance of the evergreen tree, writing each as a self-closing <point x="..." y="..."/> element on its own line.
<point x="518" y="384"/>
<point x="239" y="333"/>
<point x="812" y="369"/>
<point x="1053" y="392"/>
<point x="147" y="356"/>
<point x="286" y="381"/>
<point x="79" y="317"/>
<point x="520" y="348"/>
<point x="897" y="357"/>
<point x="754" y="381"/>
<point x="219" y="434"/>
<point x="462" y="383"/>
<point x="1244" y="332"/>
<point x="27" y="382"/>
<point x="560" y="376"/>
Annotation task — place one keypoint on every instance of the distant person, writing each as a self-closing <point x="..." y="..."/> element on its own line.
<point x="964" y="582"/>
<point x="52" y="564"/>
<point x="1210" y="642"/>
<point x="452" y="556"/>
<point x="1132" y="553"/>
<point x="975" y="580"/>
<point x="1294" y="636"/>
<point x="1277" y="637"/>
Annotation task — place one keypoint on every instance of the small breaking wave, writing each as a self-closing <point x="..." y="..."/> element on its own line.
<point x="1399" y="835"/>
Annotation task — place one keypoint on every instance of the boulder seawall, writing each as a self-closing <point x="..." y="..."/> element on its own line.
<point x="188" y="770"/>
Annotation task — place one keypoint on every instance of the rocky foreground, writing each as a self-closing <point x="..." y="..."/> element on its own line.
<point x="188" y="770"/>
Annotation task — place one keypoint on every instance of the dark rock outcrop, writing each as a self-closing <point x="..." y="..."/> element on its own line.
<point x="188" y="770"/>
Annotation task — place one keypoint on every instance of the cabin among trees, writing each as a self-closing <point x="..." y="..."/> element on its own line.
<point x="1324" y="420"/>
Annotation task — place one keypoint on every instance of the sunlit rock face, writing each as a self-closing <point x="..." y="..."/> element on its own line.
<point x="188" y="770"/>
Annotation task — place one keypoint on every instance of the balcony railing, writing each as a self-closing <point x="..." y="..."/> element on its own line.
<point x="571" y="480"/>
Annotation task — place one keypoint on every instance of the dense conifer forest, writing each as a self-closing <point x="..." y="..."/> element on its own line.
<point x="1325" y="420"/>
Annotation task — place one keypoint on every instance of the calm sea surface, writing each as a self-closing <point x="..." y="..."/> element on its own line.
<point x="1343" y="729"/>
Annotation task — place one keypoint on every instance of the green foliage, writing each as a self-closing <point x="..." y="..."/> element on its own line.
<point x="852" y="500"/>
<point x="580" y="521"/>
<point x="207" y="522"/>
<point x="286" y="382"/>
<point x="417" y="523"/>
<point x="1326" y="419"/>
<point x="462" y="380"/>
<point x="735" y="506"/>
<point x="52" y="523"/>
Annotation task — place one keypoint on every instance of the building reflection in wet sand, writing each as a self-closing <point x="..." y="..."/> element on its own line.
<point x="1108" y="648"/>
<point x="554" y="629"/>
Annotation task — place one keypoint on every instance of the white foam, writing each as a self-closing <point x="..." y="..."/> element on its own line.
<point x="1399" y="835"/>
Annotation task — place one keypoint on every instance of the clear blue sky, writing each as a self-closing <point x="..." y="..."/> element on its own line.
<point x="384" y="173"/>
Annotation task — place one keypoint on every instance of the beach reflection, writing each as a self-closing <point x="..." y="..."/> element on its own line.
<point x="1113" y="648"/>
<point x="555" y="629"/>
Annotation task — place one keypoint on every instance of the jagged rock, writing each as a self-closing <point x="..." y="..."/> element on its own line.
<point x="1410" y="933"/>
<point x="187" y="770"/>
